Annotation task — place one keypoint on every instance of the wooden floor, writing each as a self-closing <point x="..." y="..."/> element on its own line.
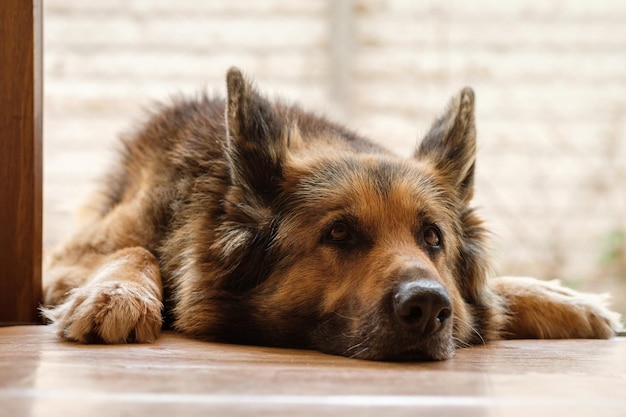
<point x="42" y="376"/>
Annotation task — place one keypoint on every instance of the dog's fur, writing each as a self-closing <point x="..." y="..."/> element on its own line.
<point x="274" y="226"/>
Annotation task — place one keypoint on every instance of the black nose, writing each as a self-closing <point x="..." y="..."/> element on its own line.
<point x="423" y="305"/>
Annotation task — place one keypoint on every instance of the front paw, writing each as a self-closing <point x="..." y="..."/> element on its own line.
<point x="108" y="312"/>
<point x="548" y="310"/>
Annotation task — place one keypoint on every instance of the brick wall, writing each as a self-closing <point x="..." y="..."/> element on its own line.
<point x="550" y="79"/>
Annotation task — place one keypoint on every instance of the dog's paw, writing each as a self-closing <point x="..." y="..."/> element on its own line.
<point x="591" y="317"/>
<point x="548" y="310"/>
<point x="108" y="312"/>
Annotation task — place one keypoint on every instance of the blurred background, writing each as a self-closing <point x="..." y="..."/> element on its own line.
<point x="550" y="81"/>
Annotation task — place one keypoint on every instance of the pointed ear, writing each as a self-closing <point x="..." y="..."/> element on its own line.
<point x="256" y="144"/>
<point x="450" y="145"/>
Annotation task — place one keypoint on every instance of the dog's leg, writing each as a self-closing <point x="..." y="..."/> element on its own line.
<point x="115" y="298"/>
<point x="548" y="310"/>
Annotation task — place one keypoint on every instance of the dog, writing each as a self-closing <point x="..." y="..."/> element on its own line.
<point x="252" y="221"/>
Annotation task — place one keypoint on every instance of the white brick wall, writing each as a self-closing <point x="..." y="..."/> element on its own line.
<point x="550" y="79"/>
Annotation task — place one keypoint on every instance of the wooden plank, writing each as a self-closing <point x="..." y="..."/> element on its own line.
<point x="20" y="160"/>
<point x="43" y="376"/>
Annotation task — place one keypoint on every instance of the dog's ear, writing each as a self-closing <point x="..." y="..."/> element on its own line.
<point x="256" y="144"/>
<point x="450" y="145"/>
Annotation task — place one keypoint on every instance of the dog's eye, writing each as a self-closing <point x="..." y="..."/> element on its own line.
<point x="338" y="232"/>
<point x="432" y="236"/>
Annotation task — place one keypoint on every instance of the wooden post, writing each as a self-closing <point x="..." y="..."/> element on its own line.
<point x="20" y="160"/>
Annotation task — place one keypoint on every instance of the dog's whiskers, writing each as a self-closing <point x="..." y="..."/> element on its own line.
<point x="344" y="316"/>
<point x="363" y="345"/>
<point x="355" y="346"/>
<point x="460" y="343"/>
<point x="472" y="328"/>
<point x="360" y="352"/>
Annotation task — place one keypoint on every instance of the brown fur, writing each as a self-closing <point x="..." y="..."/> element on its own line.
<point x="274" y="226"/>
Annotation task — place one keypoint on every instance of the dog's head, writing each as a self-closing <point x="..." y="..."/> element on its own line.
<point x="336" y="245"/>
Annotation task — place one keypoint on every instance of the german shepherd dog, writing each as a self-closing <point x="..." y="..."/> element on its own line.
<point x="273" y="226"/>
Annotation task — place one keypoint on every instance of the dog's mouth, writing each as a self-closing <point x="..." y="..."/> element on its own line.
<point x="415" y="354"/>
<point x="432" y="349"/>
<point x="404" y="346"/>
<point x="376" y="337"/>
<point x="420" y="355"/>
